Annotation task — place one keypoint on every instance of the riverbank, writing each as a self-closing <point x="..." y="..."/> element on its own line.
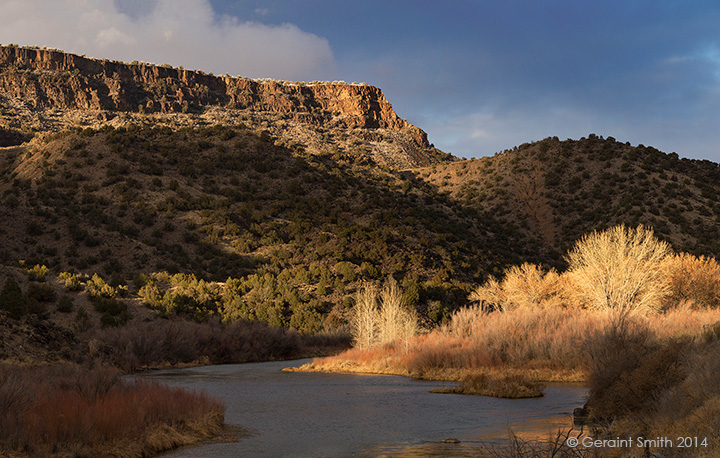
<point x="355" y="362"/>
<point x="540" y="345"/>
<point x="512" y="383"/>
<point x="66" y="358"/>
<point x="67" y="410"/>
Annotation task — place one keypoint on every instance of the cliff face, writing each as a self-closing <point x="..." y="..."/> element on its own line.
<point x="53" y="79"/>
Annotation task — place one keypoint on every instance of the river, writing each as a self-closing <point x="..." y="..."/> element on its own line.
<point x="307" y="415"/>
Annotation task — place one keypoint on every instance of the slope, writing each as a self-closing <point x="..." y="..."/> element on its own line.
<point x="554" y="191"/>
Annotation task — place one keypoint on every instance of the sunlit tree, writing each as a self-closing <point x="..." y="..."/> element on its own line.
<point x="620" y="269"/>
<point x="364" y="317"/>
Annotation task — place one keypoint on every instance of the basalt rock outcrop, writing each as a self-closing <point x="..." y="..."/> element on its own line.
<point x="45" y="79"/>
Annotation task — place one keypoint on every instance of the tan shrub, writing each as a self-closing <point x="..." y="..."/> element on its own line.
<point x="489" y="295"/>
<point x="527" y="285"/>
<point x="466" y="321"/>
<point x="692" y="279"/>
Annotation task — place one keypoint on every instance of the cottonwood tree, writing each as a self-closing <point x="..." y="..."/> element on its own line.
<point x="389" y="322"/>
<point x="364" y="318"/>
<point x="396" y="321"/>
<point x="620" y="269"/>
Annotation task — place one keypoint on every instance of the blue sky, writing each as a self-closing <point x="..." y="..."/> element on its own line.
<point x="479" y="76"/>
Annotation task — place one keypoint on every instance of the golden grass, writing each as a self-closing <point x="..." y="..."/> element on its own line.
<point x="511" y="386"/>
<point x="546" y="345"/>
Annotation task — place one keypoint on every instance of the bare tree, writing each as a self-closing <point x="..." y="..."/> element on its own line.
<point x="490" y="295"/>
<point x="391" y="322"/>
<point x="390" y="312"/>
<point x="620" y="269"/>
<point x="396" y="321"/>
<point x="364" y="317"/>
<point x="409" y="327"/>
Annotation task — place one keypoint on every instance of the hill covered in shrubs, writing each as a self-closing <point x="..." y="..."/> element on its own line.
<point x="555" y="191"/>
<point x="276" y="206"/>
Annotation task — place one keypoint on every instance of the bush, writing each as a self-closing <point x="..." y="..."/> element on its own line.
<point x="97" y="287"/>
<point x="346" y="269"/>
<point x="37" y="296"/>
<point x="644" y="386"/>
<point x="73" y="411"/>
<point x="692" y="279"/>
<point x="82" y="320"/>
<point x="41" y="292"/>
<point x="38" y="272"/>
<point x="65" y="305"/>
<point x="114" y="312"/>
<point x="140" y="279"/>
<point x="71" y="281"/>
<point x="370" y="270"/>
<point x="523" y="286"/>
<point x="178" y="341"/>
<point x="629" y="368"/>
<point x="12" y="300"/>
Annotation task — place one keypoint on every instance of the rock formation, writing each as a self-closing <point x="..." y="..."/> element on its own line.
<point x="44" y="79"/>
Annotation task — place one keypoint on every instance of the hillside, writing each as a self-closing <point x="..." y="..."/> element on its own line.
<point x="554" y="191"/>
<point x="275" y="201"/>
<point x="223" y="202"/>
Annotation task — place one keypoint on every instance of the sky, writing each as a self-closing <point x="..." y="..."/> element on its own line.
<point x="479" y="76"/>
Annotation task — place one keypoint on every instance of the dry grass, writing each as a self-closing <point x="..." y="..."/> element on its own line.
<point x="543" y="344"/>
<point x="66" y="410"/>
<point x="511" y="386"/>
<point x="548" y="341"/>
<point x="642" y="385"/>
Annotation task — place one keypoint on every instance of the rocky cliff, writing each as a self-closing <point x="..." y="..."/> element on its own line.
<point x="52" y="79"/>
<point x="46" y="81"/>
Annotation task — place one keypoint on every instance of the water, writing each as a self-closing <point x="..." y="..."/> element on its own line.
<point x="303" y="415"/>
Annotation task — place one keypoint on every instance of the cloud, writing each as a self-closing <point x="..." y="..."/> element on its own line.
<point x="178" y="32"/>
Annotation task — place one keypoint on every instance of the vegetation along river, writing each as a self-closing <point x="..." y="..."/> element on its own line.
<point x="291" y="414"/>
